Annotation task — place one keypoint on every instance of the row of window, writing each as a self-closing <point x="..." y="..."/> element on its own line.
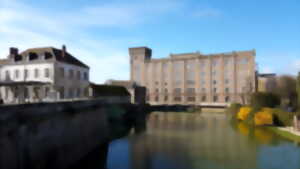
<point x="64" y="93"/>
<point x="73" y="92"/>
<point x="189" y="99"/>
<point x="46" y="74"/>
<point x="27" y="72"/>
<point x="71" y="74"/>
<point x="190" y="65"/>
<point x="191" y="82"/>
<point x="34" y="56"/>
<point x="192" y="90"/>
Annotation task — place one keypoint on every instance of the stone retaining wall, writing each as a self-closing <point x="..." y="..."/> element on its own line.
<point x="55" y="135"/>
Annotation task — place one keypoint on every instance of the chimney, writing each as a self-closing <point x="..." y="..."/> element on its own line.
<point x="64" y="50"/>
<point x="13" y="51"/>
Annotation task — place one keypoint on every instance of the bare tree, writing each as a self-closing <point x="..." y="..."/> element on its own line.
<point x="286" y="89"/>
<point x="247" y="90"/>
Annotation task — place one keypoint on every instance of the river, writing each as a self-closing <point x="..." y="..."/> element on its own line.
<point x="201" y="141"/>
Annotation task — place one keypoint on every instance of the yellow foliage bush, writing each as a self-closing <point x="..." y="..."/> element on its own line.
<point x="264" y="117"/>
<point x="243" y="113"/>
<point x="243" y="128"/>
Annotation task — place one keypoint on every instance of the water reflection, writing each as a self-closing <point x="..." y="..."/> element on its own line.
<point x="201" y="141"/>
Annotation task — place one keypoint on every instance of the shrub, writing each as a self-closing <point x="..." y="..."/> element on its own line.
<point x="260" y="99"/>
<point x="264" y="117"/>
<point x="243" y="113"/>
<point x="282" y="118"/>
<point x="234" y="108"/>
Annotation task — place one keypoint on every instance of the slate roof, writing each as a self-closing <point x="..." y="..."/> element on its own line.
<point x="57" y="53"/>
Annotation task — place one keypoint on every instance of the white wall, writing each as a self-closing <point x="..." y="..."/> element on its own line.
<point x="71" y="83"/>
<point x="31" y="72"/>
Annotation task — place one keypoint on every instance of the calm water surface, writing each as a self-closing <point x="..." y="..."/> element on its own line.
<point x="202" y="141"/>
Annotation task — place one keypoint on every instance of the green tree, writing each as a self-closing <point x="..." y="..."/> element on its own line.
<point x="298" y="92"/>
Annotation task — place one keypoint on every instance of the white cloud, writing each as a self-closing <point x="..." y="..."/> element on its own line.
<point x="25" y="26"/>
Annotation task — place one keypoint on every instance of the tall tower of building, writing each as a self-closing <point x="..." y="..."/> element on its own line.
<point x="138" y="57"/>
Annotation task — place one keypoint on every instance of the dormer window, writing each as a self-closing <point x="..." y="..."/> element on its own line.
<point x="48" y="55"/>
<point x="33" y="56"/>
<point x="18" y="58"/>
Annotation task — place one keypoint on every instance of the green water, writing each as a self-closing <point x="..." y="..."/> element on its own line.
<point x="202" y="141"/>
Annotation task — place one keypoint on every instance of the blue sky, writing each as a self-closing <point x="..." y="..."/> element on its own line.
<point x="100" y="32"/>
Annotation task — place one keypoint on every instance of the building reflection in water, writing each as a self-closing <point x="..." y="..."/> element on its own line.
<point x="182" y="140"/>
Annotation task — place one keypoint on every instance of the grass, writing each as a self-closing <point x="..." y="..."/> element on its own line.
<point x="285" y="134"/>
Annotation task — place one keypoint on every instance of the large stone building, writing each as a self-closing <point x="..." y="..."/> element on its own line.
<point x="42" y="74"/>
<point x="194" y="78"/>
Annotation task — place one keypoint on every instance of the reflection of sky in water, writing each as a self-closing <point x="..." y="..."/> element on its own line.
<point x="118" y="155"/>
<point x="284" y="156"/>
<point x="202" y="142"/>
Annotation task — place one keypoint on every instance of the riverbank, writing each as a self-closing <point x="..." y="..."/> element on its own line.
<point x="286" y="132"/>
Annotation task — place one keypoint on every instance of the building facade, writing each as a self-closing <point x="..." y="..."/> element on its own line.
<point x="194" y="78"/>
<point x="42" y="74"/>
<point x="267" y="82"/>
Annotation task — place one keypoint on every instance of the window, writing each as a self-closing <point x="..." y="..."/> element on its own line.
<point x="71" y="73"/>
<point x="177" y="91"/>
<point x="47" y="90"/>
<point x="78" y="75"/>
<point x="6" y="92"/>
<point x="71" y="93"/>
<point x="17" y="74"/>
<point x="7" y="77"/>
<point x="214" y="63"/>
<point x="33" y="56"/>
<point x="26" y="93"/>
<point x="166" y="98"/>
<point x="202" y="73"/>
<point x="203" y="98"/>
<point x="78" y="92"/>
<point x="177" y="98"/>
<point x="227" y="90"/>
<point x="47" y="72"/>
<point x="227" y="99"/>
<point x="215" y="98"/>
<point x="26" y="73"/>
<point x="36" y="73"/>
<point x="244" y="61"/>
<point x="86" y="76"/>
<point x="18" y="58"/>
<point x="156" y="98"/>
<point x="226" y="81"/>
<point x="191" y="99"/>
<point x="215" y="90"/>
<point x="203" y="82"/>
<point x="190" y="82"/>
<point x="62" y="72"/>
<point x="226" y="62"/>
<point x="62" y="92"/>
<point x="203" y="90"/>
<point x="48" y="55"/>
<point x="86" y="92"/>
<point x="214" y="73"/>
<point x="156" y="90"/>
<point x="190" y="91"/>
<point x="214" y="82"/>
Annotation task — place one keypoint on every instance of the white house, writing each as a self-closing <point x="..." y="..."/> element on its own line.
<point x="42" y="74"/>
